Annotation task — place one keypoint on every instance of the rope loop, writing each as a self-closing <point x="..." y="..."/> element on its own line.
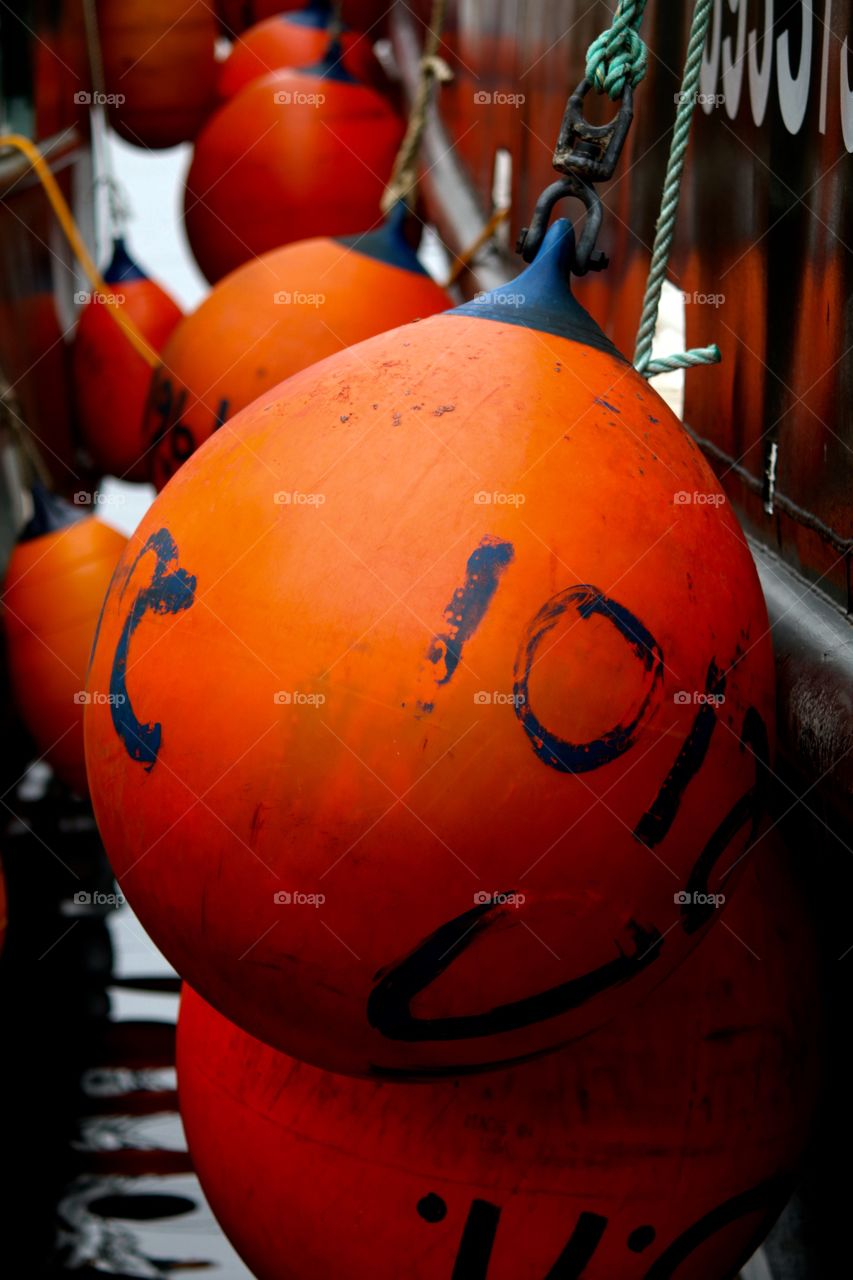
<point x="619" y="56"/>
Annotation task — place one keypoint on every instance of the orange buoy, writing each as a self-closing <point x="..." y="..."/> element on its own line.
<point x="364" y="15"/>
<point x="471" y="665"/>
<point x="663" y="1145"/>
<point x="297" y="153"/>
<point x="111" y="378"/>
<point x="293" y="40"/>
<point x="159" y="68"/>
<point x="271" y="318"/>
<point x="56" y="580"/>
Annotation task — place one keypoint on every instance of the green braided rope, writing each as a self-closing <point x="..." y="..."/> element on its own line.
<point x="618" y="56"/>
<point x="665" y="229"/>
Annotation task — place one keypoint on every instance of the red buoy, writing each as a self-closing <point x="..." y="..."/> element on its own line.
<point x="159" y="68"/>
<point x="663" y="1145"/>
<point x="460" y="641"/>
<point x="272" y="317"/>
<point x="111" y="378"/>
<point x="364" y="15"/>
<point x="293" y="40"/>
<point x="55" y="583"/>
<point x="295" y="154"/>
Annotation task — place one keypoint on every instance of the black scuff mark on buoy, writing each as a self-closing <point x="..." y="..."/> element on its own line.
<point x="607" y="405"/>
<point x="469" y="605"/>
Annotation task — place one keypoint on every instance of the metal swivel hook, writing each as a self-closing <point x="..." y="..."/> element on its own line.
<point x="586" y="257"/>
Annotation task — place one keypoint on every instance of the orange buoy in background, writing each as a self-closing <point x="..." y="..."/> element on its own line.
<point x="297" y="153"/>
<point x="364" y="15"/>
<point x="272" y="317"/>
<point x="111" y="378"/>
<point x="459" y="639"/>
<point x="293" y="40"/>
<point x="159" y="68"/>
<point x="663" y="1145"/>
<point x="55" y="583"/>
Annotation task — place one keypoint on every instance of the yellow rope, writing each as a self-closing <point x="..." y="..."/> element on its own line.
<point x="65" y="219"/>
<point x="467" y="256"/>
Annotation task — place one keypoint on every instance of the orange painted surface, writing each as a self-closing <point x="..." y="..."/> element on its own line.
<point x="667" y="1142"/>
<point x="265" y="321"/>
<point x="53" y="591"/>
<point x="434" y="621"/>
<point x="290" y="157"/>
<point x="112" y="379"/>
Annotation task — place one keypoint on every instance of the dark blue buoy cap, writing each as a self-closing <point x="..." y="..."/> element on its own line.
<point x="50" y="514"/>
<point x="122" y="268"/>
<point x="541" y="297"/>
<point x="388" y="243"/>
<point x="330" y="66"/>
<point x="315" y="15"/>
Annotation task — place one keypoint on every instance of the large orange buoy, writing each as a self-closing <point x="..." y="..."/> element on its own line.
<point x="159" y="68"/>
<point x="293" y="40"/>
<point x="272" y="317"/>
<point x="364" y="15"/>
<point x="297" y="153"/>
<point x="56" y="581"/>
<point x="661" y="1146"/>
<point x="111" y="377"/>
<point x="459" y="642"/>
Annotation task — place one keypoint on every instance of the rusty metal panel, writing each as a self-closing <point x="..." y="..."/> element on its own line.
<point x="763" y="252"/>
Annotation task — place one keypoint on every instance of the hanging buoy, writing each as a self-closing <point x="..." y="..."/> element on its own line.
<point x="473" y="669"/>
<point x="111" y="378"/>
<point x="662" y="1145"/>
<point x="56" y="580"/>
<point x="271" y="318"/>
<point x="297" y="153"/>
<point x="293" y="40"/>
<point x="363" y="15"/>
<point x="159" y="68"/>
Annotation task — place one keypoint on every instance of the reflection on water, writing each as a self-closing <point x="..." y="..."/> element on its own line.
<point x="99" y="1180"/>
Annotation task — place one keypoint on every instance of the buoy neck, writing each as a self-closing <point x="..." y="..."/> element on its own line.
<point x="541" y="297"/>
<point x="388" y="243"/>
<point x="317" y="15"/>
<point x="122" y="268"/>
<point x="330" y="66"/>
<point x="50" y="514"/>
